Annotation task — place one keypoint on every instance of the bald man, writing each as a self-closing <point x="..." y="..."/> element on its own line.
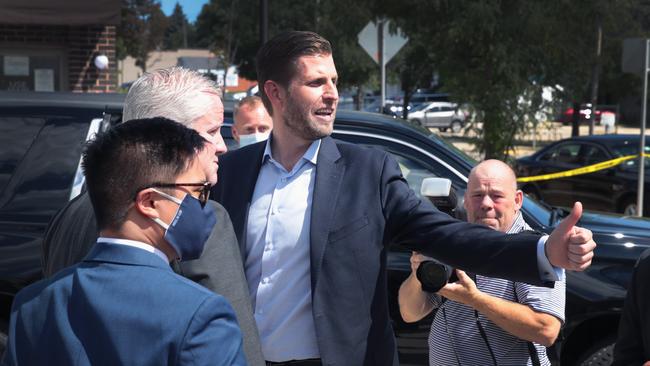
<point x="483" y="320"/>
<point x="252" y="122"/>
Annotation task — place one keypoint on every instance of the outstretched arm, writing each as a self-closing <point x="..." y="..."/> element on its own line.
<point x="517" y="319"/>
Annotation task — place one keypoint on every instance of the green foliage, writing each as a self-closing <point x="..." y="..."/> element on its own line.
<point x="180" y="33"/>
<point x="230" y="28"/>
<point x="141" y="31"/>
<point x="498" y="54"/>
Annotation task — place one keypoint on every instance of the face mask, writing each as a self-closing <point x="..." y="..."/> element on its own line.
<point x="245" y="140"/>
<point x="190" y="228"/>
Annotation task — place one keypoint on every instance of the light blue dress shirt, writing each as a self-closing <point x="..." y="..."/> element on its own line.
<point x="278" y="257"/>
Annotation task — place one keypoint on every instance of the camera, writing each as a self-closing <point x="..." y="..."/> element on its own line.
<point x="434" y="275"/>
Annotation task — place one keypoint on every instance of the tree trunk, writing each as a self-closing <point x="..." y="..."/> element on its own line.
<point x="575" y="120"/>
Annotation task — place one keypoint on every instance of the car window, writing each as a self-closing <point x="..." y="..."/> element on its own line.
<point x="592" y="154"/>
<point x="563" y="154"/>
<point x="631" y="149"/>
<point x="17" y="133"/>
<point x="434" y="109"/>
<point x="446" y="109"/>
<point x="413" y="171"/>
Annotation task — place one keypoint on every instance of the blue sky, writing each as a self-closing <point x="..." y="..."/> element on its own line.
<point x="191" y="8"/>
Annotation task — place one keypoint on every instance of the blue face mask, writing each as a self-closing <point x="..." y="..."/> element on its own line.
<point x="190" y="228"/>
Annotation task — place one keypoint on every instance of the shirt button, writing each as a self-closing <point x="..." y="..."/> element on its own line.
<point x="265" y="280"/>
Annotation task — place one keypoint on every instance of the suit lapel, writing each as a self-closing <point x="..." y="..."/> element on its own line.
<point x="248" y="165"/>
<point x="329" y="174"/>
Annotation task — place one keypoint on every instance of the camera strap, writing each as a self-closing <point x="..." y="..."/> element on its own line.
<point x="532" y="352"/>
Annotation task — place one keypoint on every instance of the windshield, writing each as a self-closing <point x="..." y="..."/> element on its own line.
<point x="419" y="107"/>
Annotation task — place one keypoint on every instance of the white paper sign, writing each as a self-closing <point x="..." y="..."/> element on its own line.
<point x="44" y="80"/>
<point x="16" y="65"/>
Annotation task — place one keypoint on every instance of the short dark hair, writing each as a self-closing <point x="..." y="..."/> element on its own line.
<point x="132" y="156"/>
<point x="276" y="59"/>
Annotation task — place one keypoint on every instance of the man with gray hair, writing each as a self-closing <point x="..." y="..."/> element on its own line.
<point x="193" y="100"/>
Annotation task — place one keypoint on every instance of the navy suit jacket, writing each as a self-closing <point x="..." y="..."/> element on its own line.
<point x="362" y="205"/>
<point x="121" y="306"/>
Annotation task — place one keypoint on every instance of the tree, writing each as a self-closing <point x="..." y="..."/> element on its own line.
<point x="498" y="55"/>
<point x="230" y="28"/>
<point x="179" y="33"/>
<point x="141" y="31"/>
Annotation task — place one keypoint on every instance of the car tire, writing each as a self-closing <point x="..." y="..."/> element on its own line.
<point x="601" y="354"/>
<point x="417" y="122"/>
<point x="628" y="207"/>
<point x="456" y="126"/>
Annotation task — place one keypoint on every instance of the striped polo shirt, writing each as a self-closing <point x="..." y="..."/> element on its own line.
<point x="455" y="339"/>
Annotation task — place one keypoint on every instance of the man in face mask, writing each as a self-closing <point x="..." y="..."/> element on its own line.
<point x="123" y="304"/>
<point x="252" y="121"/>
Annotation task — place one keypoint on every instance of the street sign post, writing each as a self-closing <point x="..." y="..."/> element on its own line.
<point x="381" y="45"/>
<point x="636" y="60"/>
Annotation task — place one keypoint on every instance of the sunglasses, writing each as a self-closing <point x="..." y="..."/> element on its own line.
<point x="204" y="194"/>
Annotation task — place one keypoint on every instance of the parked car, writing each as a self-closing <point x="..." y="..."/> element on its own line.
<point x="610" y="190"/>
<point x="585" y="114"/>
<point x="44" y="134"/>
<point x="443" y="115"/>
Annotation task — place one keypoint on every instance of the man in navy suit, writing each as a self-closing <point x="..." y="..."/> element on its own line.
<point x="123" y="304"/>
<point x="314" y="218"/>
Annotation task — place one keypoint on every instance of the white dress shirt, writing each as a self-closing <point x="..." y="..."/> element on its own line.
<point x="136" y="244"/>
<point x="278" y="257"/>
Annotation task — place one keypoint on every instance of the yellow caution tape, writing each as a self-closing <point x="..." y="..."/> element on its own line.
<point x="583" y="170"/>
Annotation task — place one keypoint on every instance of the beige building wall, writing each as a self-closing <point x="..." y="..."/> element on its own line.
<point x="127" y="71"/>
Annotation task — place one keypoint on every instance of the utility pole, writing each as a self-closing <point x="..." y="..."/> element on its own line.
<point x="382" y="62"/>
<point x="641" y="186"/>
<point x="595" y="76"/>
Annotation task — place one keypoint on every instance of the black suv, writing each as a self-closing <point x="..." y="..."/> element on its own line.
<point x="44" y="134"/>
<point x="41" y="137"/>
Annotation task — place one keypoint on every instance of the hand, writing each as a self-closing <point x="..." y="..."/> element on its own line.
<point x="463" y="291"/>
<point x="647" y="363"/>
<point x="416" y="259"/>
<point x="569" y="246"/>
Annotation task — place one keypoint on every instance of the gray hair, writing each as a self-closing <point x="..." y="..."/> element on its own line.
<point x="175" y="93"/>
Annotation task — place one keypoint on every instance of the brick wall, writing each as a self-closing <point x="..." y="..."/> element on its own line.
<point x="82" y="44"/>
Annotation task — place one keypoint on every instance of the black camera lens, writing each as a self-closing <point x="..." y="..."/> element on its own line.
<point x="434" y="275"/>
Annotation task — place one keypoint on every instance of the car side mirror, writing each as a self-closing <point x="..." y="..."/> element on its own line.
<point x="440" y="192"/>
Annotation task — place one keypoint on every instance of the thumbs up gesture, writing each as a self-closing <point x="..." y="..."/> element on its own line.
<point x="568" y="246"/>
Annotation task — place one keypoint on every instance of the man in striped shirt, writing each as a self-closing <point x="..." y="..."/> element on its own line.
<point x="483" y="320"/>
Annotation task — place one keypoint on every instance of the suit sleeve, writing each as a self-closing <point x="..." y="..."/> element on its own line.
<point x="220" y="269"/>
<point x="419" y="226"/>
<point x="213" y="336"/>
<point x="629" y="345"/>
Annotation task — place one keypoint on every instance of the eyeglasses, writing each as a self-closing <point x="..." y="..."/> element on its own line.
<point x="203" y="196"/>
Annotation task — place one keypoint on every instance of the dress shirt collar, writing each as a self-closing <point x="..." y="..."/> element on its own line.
<point x="518" y="224"/>
<point x="136" y="244"/>
<point x="310" y="155"/>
